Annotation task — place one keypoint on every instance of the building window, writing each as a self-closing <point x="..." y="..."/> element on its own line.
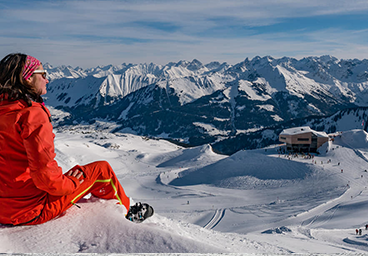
<point x="303" y="139"/>
<point x="283" y="138"/>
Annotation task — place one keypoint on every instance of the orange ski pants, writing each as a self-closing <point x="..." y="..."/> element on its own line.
<point x="100" y="180"/>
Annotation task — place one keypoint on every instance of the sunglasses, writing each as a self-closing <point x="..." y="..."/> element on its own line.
<point x="42" y="72"/>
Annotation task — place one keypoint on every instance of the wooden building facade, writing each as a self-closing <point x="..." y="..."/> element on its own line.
<point x="302" y="139"/>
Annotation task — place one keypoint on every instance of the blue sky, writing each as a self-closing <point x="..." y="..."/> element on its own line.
<point x="91" y="33"/>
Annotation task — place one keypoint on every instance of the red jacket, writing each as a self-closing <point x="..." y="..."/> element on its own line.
<point x="28" y="170"/>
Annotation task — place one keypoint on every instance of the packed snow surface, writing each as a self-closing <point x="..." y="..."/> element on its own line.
<point x="254" y="202"/>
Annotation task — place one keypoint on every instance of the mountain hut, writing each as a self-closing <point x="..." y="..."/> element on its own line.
<point x="303" y="139"/>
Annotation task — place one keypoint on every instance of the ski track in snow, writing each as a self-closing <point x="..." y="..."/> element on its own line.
<point x="216" y="218"/>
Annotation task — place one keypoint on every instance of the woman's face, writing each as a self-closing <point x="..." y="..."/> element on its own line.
<point x="38" y="82"/>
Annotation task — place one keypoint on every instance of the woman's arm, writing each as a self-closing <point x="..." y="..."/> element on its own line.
<point x="38" y="140"/>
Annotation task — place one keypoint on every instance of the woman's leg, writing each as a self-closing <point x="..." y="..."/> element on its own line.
<point x="100" y="180"/>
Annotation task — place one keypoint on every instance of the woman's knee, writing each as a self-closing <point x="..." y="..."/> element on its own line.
<point x="97" y="168"/>
<point x="104" y="165"/>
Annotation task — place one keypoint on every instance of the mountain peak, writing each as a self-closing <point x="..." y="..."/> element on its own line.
<point x="195" y="65"/>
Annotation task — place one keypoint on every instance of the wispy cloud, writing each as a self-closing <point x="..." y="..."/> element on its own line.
<point x="90" y="33"/>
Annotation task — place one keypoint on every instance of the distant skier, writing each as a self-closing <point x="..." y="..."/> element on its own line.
<point x="33" y="188"/>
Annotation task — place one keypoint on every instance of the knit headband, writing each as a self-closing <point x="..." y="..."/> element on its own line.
<point x="31" y="65"/>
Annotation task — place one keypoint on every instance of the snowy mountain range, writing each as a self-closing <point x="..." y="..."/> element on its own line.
<point x="213" y="103"/>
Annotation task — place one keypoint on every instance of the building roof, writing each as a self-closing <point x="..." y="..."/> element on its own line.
<point x="301" y="130"/>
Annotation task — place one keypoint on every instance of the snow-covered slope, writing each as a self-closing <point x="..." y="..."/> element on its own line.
<point x="71" y="88"/>
<point x="253" y="202"/>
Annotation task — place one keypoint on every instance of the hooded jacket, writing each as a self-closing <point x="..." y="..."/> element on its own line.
<point x="29" y="173"/>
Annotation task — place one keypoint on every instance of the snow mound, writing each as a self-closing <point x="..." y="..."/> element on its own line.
<point x="200" y="155"/>
<point x="244" y="163"/>
<point x="99" y="227"/>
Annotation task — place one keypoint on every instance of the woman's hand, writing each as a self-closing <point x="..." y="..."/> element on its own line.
<point x="76" y="173"/>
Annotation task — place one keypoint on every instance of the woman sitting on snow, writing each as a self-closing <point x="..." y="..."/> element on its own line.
<point x="33" y="188"/>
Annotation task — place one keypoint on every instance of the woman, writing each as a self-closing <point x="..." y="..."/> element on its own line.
<point x="33" y="188"/>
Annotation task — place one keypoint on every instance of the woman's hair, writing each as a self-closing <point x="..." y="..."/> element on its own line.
<point x="12" y="84"/>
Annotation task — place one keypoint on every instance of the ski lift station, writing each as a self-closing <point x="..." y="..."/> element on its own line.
<point x="303" y="139"/>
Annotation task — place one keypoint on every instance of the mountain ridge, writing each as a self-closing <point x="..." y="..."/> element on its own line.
<point x="198" y="103"/>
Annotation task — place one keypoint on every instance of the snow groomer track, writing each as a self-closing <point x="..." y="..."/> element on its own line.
<point x="216" y="218"/>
